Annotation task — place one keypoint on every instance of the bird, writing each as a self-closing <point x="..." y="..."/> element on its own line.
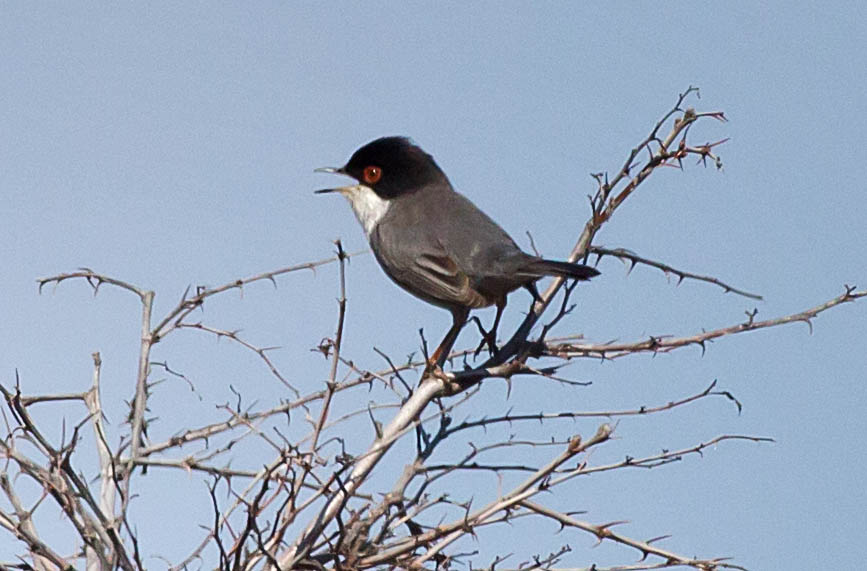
<point x="433" y="241"/>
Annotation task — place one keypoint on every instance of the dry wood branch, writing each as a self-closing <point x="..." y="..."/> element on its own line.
<point x="65" y="486"/>
<point x="193" y="465"/>
<point x="223" y="518"/>
<point x="445" y="534"/>
<point x="502" y="510"/>
<point x="663" y="344"/>
<point x="542" y="416"/>
<point x="531" y="486"/>
<point x="187" y="305"/>
<point x="604" y="204"/>
<point x="594" y="567"/>
<point x="107" y="469"/>
<point x="233" y="335"/>
<point x="654" y="460"/>
<point x="634" y="259"/>
<point x="214" y="429"/>
<point x="603" y="532"/>
<point x="338" y="341"/>
<point x="139" y="401"/>
<point x="361" y="464"/>
<point x="94" y="279"/>
<point x="34" y="399"/>
<point x="23" y="528"/>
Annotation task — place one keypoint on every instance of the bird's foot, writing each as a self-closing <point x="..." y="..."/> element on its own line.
<point x="435" y="370"/>
<point x="430" y="368"/>
<point x="489" y="339"/>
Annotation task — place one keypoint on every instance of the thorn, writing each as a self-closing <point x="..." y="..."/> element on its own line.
<point x="732" y="398"/>
<point x="655" y="539"/>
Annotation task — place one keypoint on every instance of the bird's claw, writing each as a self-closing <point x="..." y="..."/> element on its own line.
<point x="491" y="344"/>
<point x="489" y="338"/>
<point x="433" y="369"/>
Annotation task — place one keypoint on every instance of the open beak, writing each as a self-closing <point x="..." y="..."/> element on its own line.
<point x="329" y="170"/>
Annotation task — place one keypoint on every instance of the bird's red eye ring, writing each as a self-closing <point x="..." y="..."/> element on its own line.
<point x="372" y="174"/>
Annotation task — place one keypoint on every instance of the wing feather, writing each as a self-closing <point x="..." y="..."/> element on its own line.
<point x="428" y="272"/>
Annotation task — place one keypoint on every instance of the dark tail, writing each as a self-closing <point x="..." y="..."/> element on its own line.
<point x="562" y="269"/>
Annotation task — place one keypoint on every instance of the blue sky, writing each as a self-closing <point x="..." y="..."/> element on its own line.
<point x="171" y="144"/>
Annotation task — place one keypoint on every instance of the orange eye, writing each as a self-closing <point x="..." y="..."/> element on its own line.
<point x="372" y="174"/>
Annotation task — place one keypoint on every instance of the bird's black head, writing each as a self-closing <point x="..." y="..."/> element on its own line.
<point x="393" y="166"/>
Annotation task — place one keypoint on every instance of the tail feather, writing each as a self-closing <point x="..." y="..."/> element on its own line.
<point x="562" y="269"/>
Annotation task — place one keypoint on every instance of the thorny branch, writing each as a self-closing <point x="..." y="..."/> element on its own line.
<point x="604" y="532"/>
<point x="662" y="344"/>
<point x="116" y="471"/>
<point x="310" y="485"/>
<point x="609" y="196"/>
<point x="634" y="259"/>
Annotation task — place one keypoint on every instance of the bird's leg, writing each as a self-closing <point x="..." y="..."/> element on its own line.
<point x="489" y="338"/>
<point x="492" y="336"/>
<point x="485" y="336"/>
<point x="459" y="317"/>
<point x="531" y="287"/>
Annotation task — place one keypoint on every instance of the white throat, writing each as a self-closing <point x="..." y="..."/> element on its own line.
<point x="369" y="208"/>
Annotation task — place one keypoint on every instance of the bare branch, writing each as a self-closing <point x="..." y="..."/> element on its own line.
<point x="634" y="259"/>
<point x="24" y="529"/>
<point x="107" y="469"/>
<point x="93" y="279"/>
<point x="539" y="417"/>
<point x="665" y="344"/>
<point x="233" y="335"/>
<point x="528" y="488"/>
<point x="186" y="306"/>
<point x="604" y="532"/>
<point x="338" y="339"/>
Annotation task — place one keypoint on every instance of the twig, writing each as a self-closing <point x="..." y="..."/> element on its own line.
<point x="107" y="469"/>
<point x="185" y="306"/>
<point x="24" y="529"/>
<point x="526" y="489"/>
<point x="338" y="339"/>
<point x="539" y="417"/>
<point x="634" y="259"/>
<point x="664" y="345"/>
<point x="604" y="532"/>
<point x="233" y="335"/>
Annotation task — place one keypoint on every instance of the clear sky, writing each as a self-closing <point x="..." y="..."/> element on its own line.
<point x="171" y="144"/>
